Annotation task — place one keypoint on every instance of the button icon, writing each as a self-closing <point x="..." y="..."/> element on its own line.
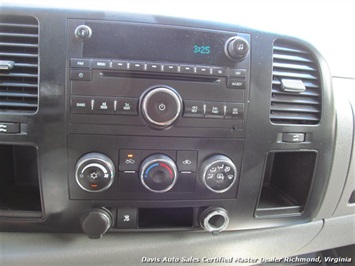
<point x="127" y="107"/>
<point x="227" y="169"/>
<point x="230" y="177"/>
<point x="220" y="176"/>
<point x="194" y="109"/>
<point x="162" y="107"/>
<point x="103" y="106"/>
<point x="130" y="161"/>
<point x="126" y="218"/>
<point x="186" y="162"/>
<point x="209" y="176"/>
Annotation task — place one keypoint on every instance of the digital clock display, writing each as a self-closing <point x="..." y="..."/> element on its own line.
<point x="141" y="42"/>
<point x="202" y="49"/>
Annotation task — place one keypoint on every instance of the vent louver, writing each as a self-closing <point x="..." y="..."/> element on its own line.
<point x="296" y="90"/>
<point x="18" y="64"/>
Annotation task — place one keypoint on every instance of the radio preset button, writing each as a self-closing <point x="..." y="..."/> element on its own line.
<point x="76" y="74"/>
<point x="202" y="70"/>
<point x="236" y="84"/>
<point x="170" y="68"/>
<point x="154" y="67"/>
<point x="187" y="69"/>
<point x="80" y="105"/>
<point x="127" y="106"/>
<point x="101" y="64"/>
<point x="219" y="71"/>
<point x="194" y="109"/>
<point x="138" y="66"/>
<point x="104" y="105"/>
<point x="234" y="111"/>
<point x="82" y="63"/>
<point x="120" y="65"/>
<point x="214" y="110"/>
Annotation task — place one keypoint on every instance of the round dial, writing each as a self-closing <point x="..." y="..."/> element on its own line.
<point x="158" y="173"/>
<point x="94" y="172"/>
<point x="161" y="106"/>
<point x="236" y="48"/>
<point x="218" y="173"/>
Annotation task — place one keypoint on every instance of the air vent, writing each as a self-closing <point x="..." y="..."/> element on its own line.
<point x="18" y="64"/>
<point x="296" y="90"/>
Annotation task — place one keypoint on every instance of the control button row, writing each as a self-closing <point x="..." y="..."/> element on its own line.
<point x="130" y="161"/>
<point x="225" y="110"/>
<point x="156" y="67"/>
<point x="103" y="105"/>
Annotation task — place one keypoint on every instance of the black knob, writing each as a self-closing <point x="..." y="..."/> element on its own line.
<point x="161" y="106"/>
<point x="236" y="48"/>
<point x="95" y="223"/>
<point x="94" y="172"/>
<point x="218" y="173"/>
<point x="214" y="219"/>
<point x="83" y="32"/>
<point x="158" y="173"/>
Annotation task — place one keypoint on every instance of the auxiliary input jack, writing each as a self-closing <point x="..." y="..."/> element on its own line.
<point x="214" y="220"/>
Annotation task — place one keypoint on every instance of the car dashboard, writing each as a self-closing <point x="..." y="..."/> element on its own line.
<point x="130" y="127"/>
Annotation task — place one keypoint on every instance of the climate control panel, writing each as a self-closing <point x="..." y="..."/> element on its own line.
<point x="149" y="174"/>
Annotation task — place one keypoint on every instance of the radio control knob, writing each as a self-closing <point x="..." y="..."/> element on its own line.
<point x="94" y="172"/>
<point x="83" y="32"/>
<point x="158" y="173"/>
<point x="236" y="48"/>
<point x="161" y="107"/>
<point x="218" y="173"/>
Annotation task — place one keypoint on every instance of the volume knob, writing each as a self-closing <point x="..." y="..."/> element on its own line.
<point x="161" y="106"/>
<point x="236" y="48"/>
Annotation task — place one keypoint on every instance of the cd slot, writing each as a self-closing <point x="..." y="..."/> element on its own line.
<point x="160" y="76"/>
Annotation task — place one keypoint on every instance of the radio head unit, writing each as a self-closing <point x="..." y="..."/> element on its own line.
<point x="138" y="79"/>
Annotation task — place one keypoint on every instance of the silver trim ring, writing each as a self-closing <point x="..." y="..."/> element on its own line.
<point x="159" y="158"/>
<point x="145" y="106"/>
<point x="94" y="156"/>
<point x="209" y="227"/>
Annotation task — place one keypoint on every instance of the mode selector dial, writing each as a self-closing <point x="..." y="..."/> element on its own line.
<point x="218" y="173"/>
<point x="158" y="173"/>
<point x="94" y="172"/>
<point x="161" y="106"/>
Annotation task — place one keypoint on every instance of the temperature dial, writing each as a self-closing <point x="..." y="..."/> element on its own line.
<point x="218" y="173"/>
<point x="158" y="173"/>
<point x="94" y="172"/>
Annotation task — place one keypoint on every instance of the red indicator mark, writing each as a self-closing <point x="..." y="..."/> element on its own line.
<point x="169" y="169"/>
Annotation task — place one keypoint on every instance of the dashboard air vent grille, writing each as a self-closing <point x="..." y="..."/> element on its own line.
<point x="296" y="90"/>
<point x="18" y="63"/>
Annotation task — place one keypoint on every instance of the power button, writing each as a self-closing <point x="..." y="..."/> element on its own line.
<point x="83" y="32"/>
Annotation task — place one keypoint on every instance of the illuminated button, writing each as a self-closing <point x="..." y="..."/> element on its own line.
<point x="82" y="63"/>
<point x="218" y="71"/>
<point x="202" y="70"/>
<point x="130" y="160"/>
<point x="76" y="74"/>
<point x="136" y="66"/>
<point x="194" y="109"/>
<point x="154" y="67"/>
<point x="170" y="68"/>
<point x="187" y="69"/>
<point x="214" y="110"/>
<point x="120" y="65"/>
<point x="80" y="105"/>
<point x="238" y="73"/>
<point x="101" y="64"/>
<point x="234" y="111"/>
<point x="104" y="105"/>
<point x="236" y="83"/>
<point x="127" y="106"/>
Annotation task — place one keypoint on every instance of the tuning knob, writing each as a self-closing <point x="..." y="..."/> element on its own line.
<point x="218" y="173"/>
<point x="236" y="48"/>
<point x="158" y="173"/>
<point x="161" y="107"/>
<point x="96" y="223"/>
<point x="94" y="172"/>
